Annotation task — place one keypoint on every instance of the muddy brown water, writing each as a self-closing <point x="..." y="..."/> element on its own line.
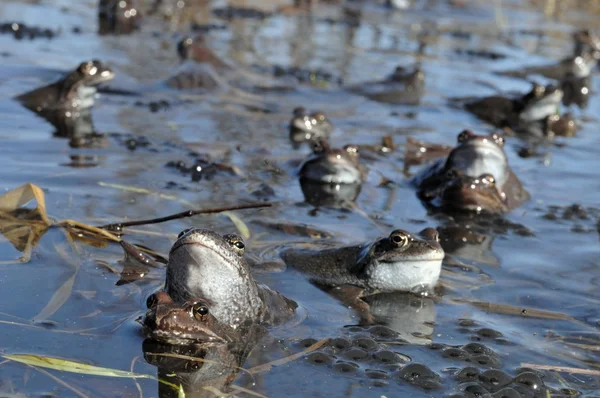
<point x="528" y="291"/>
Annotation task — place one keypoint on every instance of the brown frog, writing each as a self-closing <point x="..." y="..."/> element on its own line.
<point x="190" y="322"/>
<point x="476" y="194"/>
<point x="474" y="156"/>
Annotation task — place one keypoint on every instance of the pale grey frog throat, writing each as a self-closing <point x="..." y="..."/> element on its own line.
<point x="231" y="289"/>
<point x="488" y="159"/>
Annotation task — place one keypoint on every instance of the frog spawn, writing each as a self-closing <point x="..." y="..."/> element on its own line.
<point x="362" y="355"/>
<point x="374" y="357"/>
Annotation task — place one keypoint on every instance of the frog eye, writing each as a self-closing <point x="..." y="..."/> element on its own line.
<point x="464" y="136"/>
<point x="185" y="231"/>
<point x="351" y="149"/>
<point x="487" y="179"/>
<point x="88" y="68"/>
<point x="399" y="238"/>
<point x="538" y="90"/>
<point x="498" y="139"/>
<point x="200" y="311"/>
<point x="183" y="47"/>
<point x="319" y="116"/>
<point x="236" y="242"/>
<point x="151" y="301"/>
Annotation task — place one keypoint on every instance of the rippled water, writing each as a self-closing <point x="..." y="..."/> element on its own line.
<point x="530" y="297"/>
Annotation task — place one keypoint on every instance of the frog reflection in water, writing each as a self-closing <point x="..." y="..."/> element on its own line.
<point x="204" y="264"/>
<point x="528" y="114"/>
<point x="474" y="156"/>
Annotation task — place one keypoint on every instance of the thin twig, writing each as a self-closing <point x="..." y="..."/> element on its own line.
<point x="183" y="214"/>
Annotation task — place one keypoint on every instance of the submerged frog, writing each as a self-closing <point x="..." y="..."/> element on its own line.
<point x="403" y="86"/>
<point x="73" y="93"/>
<point x="204" y="264"/>
<point x="523" y="114"/>
<point x="190" y="322"/>
<point x="474" y="156"/>
<point x="400" y="262"/>
<point x="306" y="126"/>
<point x="333" y="166"/>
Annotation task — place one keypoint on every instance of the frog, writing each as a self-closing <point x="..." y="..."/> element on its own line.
<point x="579" y="65"/>
<point x="186" y="323"/>
<point x="72" y="93"/>
<point x="399" y="262"/>
<point x="472" y="194"/>
<point x="328" y="165"/>
<point x="404" y="86"/>
<point x="204" y="263"/>
<point x="309" y="127"/>
<point x="473" y="156"/>
<point x="522" y="114"/>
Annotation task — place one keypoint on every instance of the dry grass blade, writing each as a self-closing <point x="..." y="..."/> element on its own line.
<point x="267" y="366"/>
<point x="584" y="346"/>
<point x="247" y="391"/>
<point x="77" y="227"/>
<point x="563" y="369"/>
<point x="239" y="224"/>
<point x="21" y="226"/>
<point x="19" y="197"/>
<point x="145" y="192"/>
<point x="65" y="365"/>
<point x="60" y="297"/>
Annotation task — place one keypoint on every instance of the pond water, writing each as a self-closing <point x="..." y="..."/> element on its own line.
<point x="526" y="288"/>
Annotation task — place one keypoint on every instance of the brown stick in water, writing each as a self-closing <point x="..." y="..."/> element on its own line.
<point x="118" y="227"/>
